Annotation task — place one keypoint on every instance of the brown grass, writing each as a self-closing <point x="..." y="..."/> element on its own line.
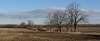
<point x="21" y="34"/>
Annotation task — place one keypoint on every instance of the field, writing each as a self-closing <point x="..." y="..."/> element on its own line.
<point x="21" y="34"/>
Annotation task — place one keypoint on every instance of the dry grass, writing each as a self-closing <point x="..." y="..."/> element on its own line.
<point x="89" y="29"/>
<point x="21" y="34"/>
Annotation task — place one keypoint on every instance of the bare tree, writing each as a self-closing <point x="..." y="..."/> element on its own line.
<point x="57" y="18"/>
<point x="49" y="20"/>
<point x="75" y="15"/>
<point x="22" y="24"/>
<point x="30" y="24"/>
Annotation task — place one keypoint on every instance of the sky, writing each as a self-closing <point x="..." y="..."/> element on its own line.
<point x="17" y="7"/>
<point x="24" y="5"/>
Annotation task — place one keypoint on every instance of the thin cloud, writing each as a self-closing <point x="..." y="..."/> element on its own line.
<point x="42" y="13"/>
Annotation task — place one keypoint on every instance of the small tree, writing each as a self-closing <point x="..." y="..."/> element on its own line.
<point x="22" y="24"/>
<point x="30" y="24"/>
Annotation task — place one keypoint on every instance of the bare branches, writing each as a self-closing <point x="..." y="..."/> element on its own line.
<point x="75" y="14"/>
<point x="30" y="22"/>
<point x="72" y="16"/>
<point x="57" y="18"/>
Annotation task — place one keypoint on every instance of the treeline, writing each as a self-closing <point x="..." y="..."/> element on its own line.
<point x="79" y="25"/>
<point x="44" y="26"/>
<point x="9" y="26"/>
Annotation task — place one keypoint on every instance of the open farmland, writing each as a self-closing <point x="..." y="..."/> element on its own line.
<point x="21" y="34"/>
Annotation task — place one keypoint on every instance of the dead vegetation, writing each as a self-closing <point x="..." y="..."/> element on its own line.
<point x="21" y="34"/>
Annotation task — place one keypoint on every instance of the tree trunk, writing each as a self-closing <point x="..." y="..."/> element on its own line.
<point x="67" y="28"/>
<point x="59" y="28"/>
<point x="75" y="25"/>
<point x="50" y="28"/>
<point x="71" y="27"/>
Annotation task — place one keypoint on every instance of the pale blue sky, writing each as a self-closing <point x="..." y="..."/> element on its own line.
<point x="29" y="5"/>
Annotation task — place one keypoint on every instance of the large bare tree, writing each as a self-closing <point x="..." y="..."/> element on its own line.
<point x="57" y="18"/>
<point x="75" y="15"/>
